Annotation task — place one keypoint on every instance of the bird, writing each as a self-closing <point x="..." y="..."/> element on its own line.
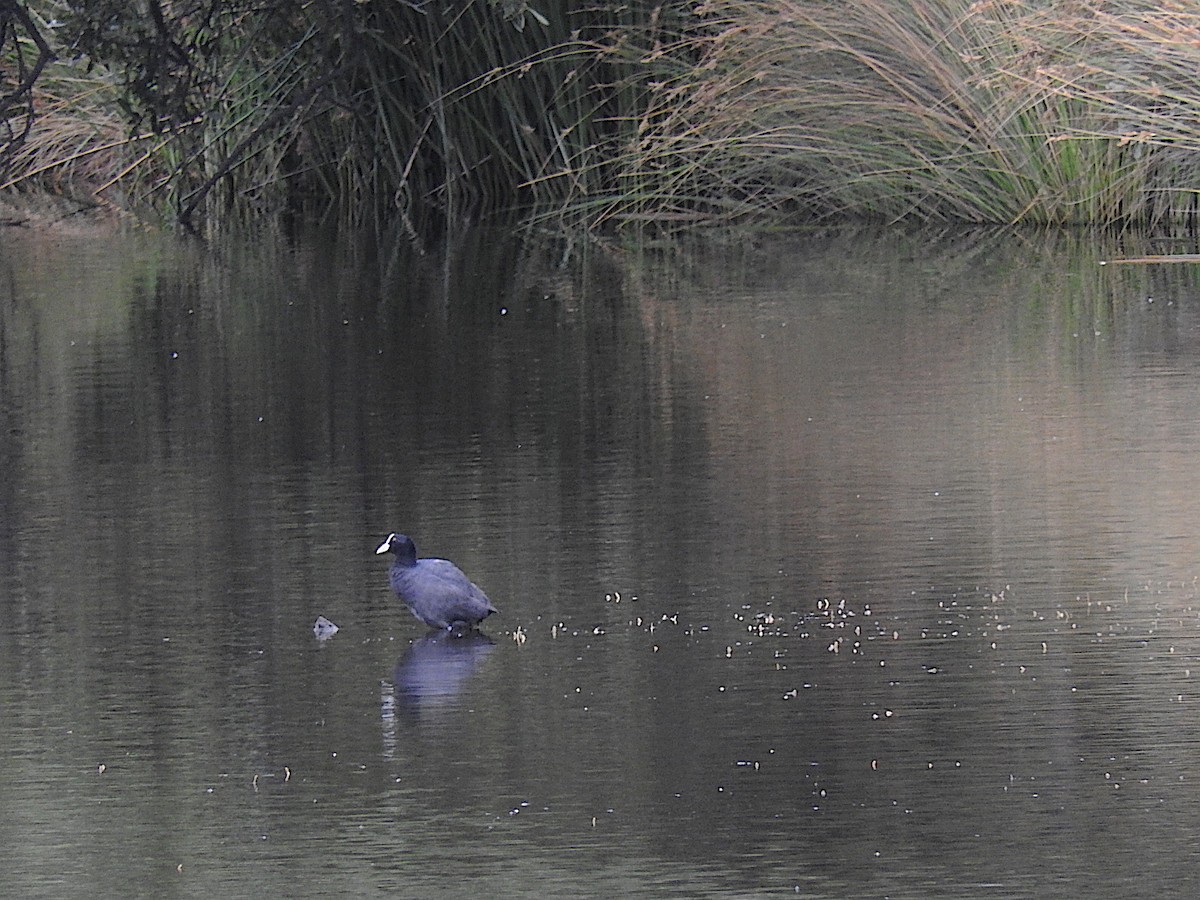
<point x="436" y="590"/>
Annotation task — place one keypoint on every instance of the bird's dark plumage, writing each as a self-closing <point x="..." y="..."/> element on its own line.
<point x="436" y="590"/>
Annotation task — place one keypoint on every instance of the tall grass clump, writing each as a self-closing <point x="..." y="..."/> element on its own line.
<point x="664" y="111"/>
<point x="1142" y="79"/>
<point x="930" y="109"/>
<point x="429" y="112"/>
<point x="74" y="141"/>
<point x="379" y="108"/>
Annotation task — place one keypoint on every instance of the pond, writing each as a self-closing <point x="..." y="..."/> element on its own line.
<point x="847" y="564"/>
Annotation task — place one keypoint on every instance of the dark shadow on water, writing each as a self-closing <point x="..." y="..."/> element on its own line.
<point x="434" y="670"/>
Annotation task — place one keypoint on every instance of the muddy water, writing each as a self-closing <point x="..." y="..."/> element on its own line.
<point x="842" y="566"/>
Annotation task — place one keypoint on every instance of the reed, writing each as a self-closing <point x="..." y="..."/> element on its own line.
<point x="1141" y="74"/>
<point x="872" y="108"/>
<point x="674" y="113"/>
<point x="373" y="110"/>
<point x="430" y="113"/>
<point x="79" y="145"/>
<point x="1052" y="112"/>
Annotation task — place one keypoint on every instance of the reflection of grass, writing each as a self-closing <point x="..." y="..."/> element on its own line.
<point x="78" y="286"/>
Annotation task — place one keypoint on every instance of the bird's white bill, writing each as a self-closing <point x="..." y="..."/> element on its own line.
<point x="383" y="548"/>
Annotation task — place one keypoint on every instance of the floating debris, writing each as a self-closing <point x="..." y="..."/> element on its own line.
<point x="324" y="629"/>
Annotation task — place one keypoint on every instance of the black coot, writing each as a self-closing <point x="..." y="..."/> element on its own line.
<point x="436" y="590"/>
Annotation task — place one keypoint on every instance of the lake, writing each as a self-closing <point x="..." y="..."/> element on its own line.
<point x="846" y="564"/>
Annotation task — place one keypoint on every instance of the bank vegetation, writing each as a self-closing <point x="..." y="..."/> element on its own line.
<point x="603" y="114"/>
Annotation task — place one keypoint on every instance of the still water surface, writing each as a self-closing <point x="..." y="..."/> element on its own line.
<point x="838" y="566"/>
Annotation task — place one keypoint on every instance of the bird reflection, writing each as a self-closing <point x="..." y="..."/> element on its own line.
<point x="433" y="671"/>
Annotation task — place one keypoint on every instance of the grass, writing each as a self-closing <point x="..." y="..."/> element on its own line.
<point x="80" y="146"/>
<point x="996" y="112"/>
<point x="723" y="112"/>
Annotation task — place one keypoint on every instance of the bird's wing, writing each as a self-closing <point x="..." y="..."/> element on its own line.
<point x="453" y="577"/>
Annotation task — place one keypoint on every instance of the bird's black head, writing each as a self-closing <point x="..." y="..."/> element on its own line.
<point x="402" y="546"/>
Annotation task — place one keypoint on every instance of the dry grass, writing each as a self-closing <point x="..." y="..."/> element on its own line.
<point x="80" y="147"/>
<point x="761" y="111"/>
<point x="1047" y="112"/>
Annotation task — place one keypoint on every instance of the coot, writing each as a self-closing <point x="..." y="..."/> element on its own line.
<point x="436" y="590"/>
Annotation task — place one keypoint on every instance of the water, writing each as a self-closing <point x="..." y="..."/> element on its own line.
<point x="861" y="565"/>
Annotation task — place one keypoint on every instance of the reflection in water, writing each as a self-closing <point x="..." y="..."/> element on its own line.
<point x="431" y="676"/>
<point x="755" y="513"/>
